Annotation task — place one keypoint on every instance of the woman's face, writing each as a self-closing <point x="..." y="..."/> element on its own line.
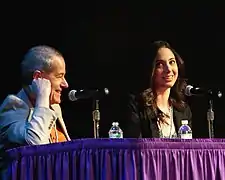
<point x="166" y="69"/>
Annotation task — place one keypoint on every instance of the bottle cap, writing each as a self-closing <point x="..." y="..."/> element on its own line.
<point x="184" y="121"/>
<point x="115" y="123"/>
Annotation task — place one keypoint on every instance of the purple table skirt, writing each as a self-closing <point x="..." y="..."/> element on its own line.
<point x="121" y="159"/>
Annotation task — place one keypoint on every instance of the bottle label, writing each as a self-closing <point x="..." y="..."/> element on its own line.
<point x="186" y="136"/>
<point x="116" y="135"/>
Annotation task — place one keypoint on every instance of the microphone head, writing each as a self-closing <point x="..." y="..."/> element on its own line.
<point x="220" y="94"/>
<point x="72" y="95"/>
<point x="106" y="91"/>
<point x="187" y="91"/>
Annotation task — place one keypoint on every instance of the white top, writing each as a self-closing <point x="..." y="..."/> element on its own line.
<point x="167" y="130"/>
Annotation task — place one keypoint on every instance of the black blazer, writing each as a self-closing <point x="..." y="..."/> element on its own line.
<point x="141" y="121"/>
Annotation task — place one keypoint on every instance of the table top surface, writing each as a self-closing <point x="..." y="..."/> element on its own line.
<point x="125" y="143"/>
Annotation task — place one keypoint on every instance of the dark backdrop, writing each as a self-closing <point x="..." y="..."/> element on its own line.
<point x="105" y="44"/>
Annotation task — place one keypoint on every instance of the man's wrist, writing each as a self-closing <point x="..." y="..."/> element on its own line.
<point x="42" y="101"/>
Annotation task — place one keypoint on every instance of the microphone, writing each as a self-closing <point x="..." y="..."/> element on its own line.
<point x="197" y="91"/>
<point x="74" y="95"/>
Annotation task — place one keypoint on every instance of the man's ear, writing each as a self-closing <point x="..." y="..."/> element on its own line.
<point x="37" y="74"/>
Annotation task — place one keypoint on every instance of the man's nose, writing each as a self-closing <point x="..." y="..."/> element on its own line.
<point x="64" y="83"/>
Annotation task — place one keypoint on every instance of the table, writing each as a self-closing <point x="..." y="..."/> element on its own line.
<point x="120" y="159"/>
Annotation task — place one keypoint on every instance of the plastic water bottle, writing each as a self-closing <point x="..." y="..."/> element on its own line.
<point x="115" y="131"/>
<point x="185" y="131"/>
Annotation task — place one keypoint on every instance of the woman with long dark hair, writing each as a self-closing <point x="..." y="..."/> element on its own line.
<point x="158" y="110"/>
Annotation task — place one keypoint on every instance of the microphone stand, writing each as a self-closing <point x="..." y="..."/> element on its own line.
<point x="96" y="117"/>
<point x="210" y="118"/>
